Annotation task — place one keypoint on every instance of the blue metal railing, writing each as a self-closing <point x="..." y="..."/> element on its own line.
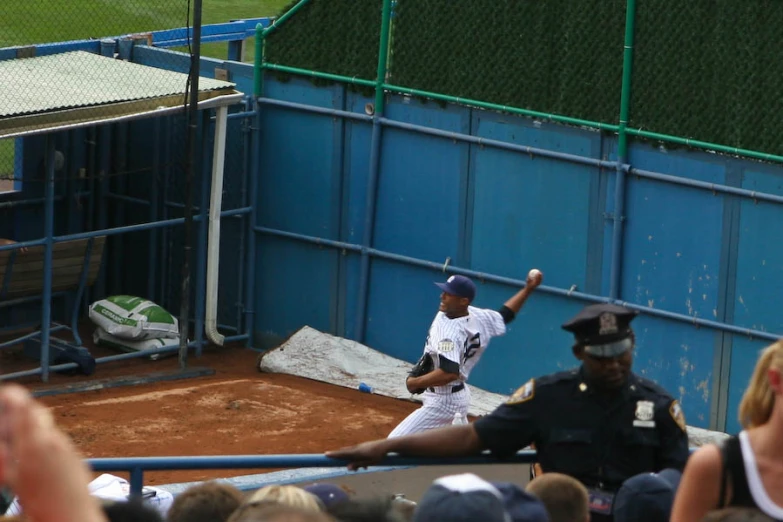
<point x="136" y="466"/>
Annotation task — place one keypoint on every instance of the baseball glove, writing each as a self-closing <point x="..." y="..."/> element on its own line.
<point x="422" y="367"/>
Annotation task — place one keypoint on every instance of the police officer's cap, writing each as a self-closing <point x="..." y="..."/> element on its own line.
<point x="604" y="329"/>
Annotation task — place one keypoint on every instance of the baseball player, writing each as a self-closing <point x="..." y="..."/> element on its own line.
<point x="457" y="338"/>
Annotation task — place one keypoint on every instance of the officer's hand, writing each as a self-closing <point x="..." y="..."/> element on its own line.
<point x="362" y="455"/>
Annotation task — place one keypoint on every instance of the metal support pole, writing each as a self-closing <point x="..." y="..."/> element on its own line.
<point x="46" y="301"/>
<point x="372" y="182"/>
<point x="152" y="261"/>
<point x="615" y="283"/>
<point x="201" y="241"/>
<point x="195" y="63"/>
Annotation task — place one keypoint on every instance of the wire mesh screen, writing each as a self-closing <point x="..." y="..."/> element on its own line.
<point x="332" y="36"/>
<point x="107" y="69"/>
<point x="557" y="56"/>
<point x="710" y="71"/>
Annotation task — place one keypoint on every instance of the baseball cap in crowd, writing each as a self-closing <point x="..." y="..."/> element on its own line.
<point x="469" y="498"/>
<point x="328" y="494"/>
<point x="647" y="497"/>
<point x="604" y="329"/>
<point x="460" y="286"/>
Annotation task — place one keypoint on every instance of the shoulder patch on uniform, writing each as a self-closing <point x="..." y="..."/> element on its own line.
<point x="675" y="410"/>
<point x="523" y="394"/>
<point x="446" y="345"/>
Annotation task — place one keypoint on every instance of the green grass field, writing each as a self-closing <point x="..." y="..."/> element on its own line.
<point x="27" y="22"/>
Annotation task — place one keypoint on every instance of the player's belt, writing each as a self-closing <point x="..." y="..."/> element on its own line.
<point x="454" y="389"/>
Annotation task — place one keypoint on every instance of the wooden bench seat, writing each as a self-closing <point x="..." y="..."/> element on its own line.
<point x="75" y="267"/>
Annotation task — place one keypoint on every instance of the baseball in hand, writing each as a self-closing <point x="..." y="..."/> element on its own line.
<point x="535" y="276"/>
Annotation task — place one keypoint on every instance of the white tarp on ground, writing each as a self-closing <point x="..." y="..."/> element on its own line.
<point x="323" y="357"/>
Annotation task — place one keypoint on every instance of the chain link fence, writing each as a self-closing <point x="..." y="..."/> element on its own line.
<point x="701" y="70"/>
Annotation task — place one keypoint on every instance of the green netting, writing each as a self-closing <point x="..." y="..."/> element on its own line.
<point x="704" y="70"/>
<point x="558" y="56"/>
<point x="332" y="36"/>
<point x="710" y="70"/>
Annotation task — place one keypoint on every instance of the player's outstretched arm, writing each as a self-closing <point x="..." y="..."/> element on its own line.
<point x="450" y="441"/>
<point x="517" y="301"/>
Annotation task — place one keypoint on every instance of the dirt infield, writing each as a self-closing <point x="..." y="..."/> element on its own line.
<point x="236" y="411"/>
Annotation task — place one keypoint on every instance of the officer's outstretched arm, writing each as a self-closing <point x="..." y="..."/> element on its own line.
<point x="450" y="441"/>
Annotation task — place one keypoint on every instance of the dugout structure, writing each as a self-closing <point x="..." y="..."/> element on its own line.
<point x="98" y="129"/>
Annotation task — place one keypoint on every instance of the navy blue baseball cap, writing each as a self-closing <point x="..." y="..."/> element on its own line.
<point x="459" y="285"/>
<point x="469" y="498"/>
<point x="328" y="494"/>
<point x="647" y="497"/>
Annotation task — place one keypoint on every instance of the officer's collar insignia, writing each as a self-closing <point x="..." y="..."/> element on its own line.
<point x="607" y="324"/>
<point x="523" y="394"/>
<point x="645" y="411"/>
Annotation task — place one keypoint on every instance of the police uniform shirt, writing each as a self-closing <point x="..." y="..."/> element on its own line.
<point x="599" y="438"/>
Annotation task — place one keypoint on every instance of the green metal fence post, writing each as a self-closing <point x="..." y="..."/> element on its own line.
<point x="622" y="155"/>
<point x="375" y="166"/>
<point x="258" y="66"/>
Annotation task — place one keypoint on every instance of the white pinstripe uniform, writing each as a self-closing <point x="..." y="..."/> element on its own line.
<point x="453" y="343"/>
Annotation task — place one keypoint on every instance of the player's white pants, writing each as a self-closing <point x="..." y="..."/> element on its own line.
<point x="437" y="410"/>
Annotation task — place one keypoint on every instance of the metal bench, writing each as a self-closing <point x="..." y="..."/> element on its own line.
<point x="75" y="267"/>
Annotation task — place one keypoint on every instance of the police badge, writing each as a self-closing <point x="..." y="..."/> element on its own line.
<point x="645" y="411"/>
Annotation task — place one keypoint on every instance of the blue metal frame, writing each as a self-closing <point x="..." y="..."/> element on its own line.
<point x="138" y="465"/>
<point x="80" y="292"/>
<point x="46" y="307"/>
<point x="581" y="296"/>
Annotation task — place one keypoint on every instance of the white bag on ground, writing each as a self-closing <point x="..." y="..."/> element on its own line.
<point x="103" y="338"/>
<point x="111" y="487"/>
<point x="133" y="318"/>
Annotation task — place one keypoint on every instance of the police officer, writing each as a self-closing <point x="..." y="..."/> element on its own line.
<point x="599" y="423"/>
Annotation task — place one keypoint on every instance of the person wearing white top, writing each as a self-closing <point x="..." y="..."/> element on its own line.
<point x="746" y="470"/>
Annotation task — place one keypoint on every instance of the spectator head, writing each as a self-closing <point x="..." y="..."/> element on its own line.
<point x="207" y="502"/>
<point x="131" y="510"/>
<point x="766" y="382"/>
<point x="467" y="497"/>
<point x="565" y="497"/>
<point x="276" y="512"/>
<point x="366" y="510"/>
<point x="647" y="497"/>
<point x="328" y="494"/>
<point x="289" y="495"/>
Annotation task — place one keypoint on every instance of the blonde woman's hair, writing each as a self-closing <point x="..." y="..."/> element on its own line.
<point x="758" y="399"/>
<point x="288" y="495"/>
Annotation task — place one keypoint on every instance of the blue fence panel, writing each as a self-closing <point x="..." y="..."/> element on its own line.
<point x="532" y="211"/>
<point x="674" y="251"/>
<point x="679" y="357"/>
<point x="356" y="168"/>
<point x="300" y="190"/>
<point x="401" y="305"/>
<point x="421" y="187"/>
<point x="758" y="291"/>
